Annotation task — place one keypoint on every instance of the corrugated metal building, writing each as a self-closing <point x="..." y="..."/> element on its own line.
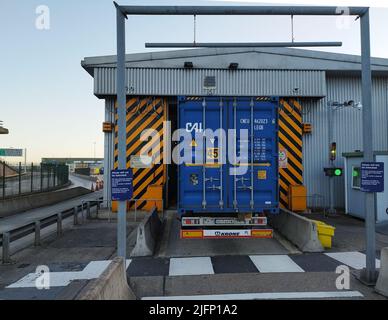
<point x="309" y="78"/>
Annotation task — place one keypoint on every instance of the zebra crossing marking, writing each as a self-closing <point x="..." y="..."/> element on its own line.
<point x="191" y="266"/>
<point x="353" y="259"/>
<point x="275" y="263"/>
<point x="62" y="279"/>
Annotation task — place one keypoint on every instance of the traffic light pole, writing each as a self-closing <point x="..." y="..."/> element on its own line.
<point x="331" y="162"/>
<point x="369" y="274"/>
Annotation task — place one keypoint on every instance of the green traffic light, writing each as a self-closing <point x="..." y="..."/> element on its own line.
<point x="338" y="172"/>
<point x="355" y="173"/>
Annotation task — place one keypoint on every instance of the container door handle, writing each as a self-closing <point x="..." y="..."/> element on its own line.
<point x="204" y="155"/>
<point x="235" y="204"/>
<point x="220" y="157"/>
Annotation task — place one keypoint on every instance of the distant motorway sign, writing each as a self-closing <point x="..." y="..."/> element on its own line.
<point x="11" y="152"/>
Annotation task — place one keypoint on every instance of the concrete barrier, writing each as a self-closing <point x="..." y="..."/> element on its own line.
<point x="82" y="176"/>
<point x="301" y="231"/>
<point x="32" y="201"/>
<point x="111" y="285"/>
<point x="147" y="235"/>
<point x="382" y="281"/>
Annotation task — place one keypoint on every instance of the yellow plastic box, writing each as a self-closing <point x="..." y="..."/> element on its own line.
<point x="325" y="233"/>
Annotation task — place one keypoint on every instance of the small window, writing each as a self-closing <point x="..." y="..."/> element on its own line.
<point x="356" y="177"/>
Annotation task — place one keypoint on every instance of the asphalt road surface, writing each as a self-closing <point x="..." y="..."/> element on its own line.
<point x="83" y="252"/>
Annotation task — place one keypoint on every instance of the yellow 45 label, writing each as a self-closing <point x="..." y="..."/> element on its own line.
<point x="213" y="153"/>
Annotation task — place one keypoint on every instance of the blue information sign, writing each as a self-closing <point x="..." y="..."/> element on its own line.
<point x="372" y="176"/>
<point x="122" y="185"/>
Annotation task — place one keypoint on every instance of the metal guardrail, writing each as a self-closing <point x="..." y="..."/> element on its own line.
<point x="36" y="226"/>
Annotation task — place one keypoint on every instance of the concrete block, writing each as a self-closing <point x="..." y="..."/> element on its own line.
<point x="71" y="291"/>
<point x="382" y="281"/>
<point x="147" y="235"/>
<point x="151" y="286"/>
<point x="111" y="285"/>
<point x="301" y="231"/>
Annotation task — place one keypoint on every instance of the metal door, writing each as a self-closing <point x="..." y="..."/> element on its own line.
<point x="202" y="179"/>
<point x="254" y="190"/>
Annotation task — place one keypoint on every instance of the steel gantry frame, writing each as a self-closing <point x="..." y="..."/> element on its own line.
<point x="369" y="274"/>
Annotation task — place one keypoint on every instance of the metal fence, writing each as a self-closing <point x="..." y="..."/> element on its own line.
<point x="17" y="179"/>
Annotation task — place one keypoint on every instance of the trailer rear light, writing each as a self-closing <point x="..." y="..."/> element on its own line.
<point x="260" y="220"/>
<point x="186" y="221"/>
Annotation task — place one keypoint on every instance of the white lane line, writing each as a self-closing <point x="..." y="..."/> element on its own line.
<point x="190" y="266"/>
<point x="275" y="263"/>
<point x="266" y="296"/>
<point x="62" y="279"/>
<point x="355" y="259"/>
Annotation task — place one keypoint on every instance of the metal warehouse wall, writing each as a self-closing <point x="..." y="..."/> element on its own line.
<point x="241" y="82"/>
<point x="347" y="131"/>
<point x="108" y="148"/>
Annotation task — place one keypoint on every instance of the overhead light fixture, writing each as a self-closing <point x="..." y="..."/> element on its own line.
<point x="233" y="66"/>
<point x="188" y="65"/>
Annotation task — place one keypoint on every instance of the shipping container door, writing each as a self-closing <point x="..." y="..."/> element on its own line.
<point x="202" y="180"/>
<point x="254" y="186"/>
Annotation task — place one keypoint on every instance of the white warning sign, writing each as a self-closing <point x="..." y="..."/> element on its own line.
<point x="141" y="162"/>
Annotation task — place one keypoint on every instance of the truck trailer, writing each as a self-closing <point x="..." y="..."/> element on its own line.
<point x="228" y="172"/>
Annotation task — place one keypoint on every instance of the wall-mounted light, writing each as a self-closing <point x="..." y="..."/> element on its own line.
<point x="349" y="103"/>
<point x="188" y="65"/>
<point x="233" y="66"/>
<point x="353" y="104"/>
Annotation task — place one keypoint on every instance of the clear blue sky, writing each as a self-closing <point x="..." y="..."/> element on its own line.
<point x="47" y="99"/>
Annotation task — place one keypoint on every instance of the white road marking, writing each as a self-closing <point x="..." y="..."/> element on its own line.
<point x="62" y="279"/>
<point x="355" y="259"/>
<point x="190" y="266"/>
<point x="266" y="296"/>
<point x="275" y="263"/>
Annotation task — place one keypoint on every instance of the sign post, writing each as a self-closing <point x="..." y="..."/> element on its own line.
<point x="122" y="190"/>
<point x="121" y="125"/>
<point x="122" y="185"/>
<point x="372" y="177"/>
<point x="372" y="181"/>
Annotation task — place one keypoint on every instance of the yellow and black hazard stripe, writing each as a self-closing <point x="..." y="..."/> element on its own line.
<point x="263" y="98"/>
<point x="290" y="139"/>
<point x="144" y="113"/>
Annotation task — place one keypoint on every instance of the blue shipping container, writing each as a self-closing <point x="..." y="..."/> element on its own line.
<point x="208" y="182"/>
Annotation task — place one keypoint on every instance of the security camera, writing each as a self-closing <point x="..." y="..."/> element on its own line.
<point x="358" y="105"/>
